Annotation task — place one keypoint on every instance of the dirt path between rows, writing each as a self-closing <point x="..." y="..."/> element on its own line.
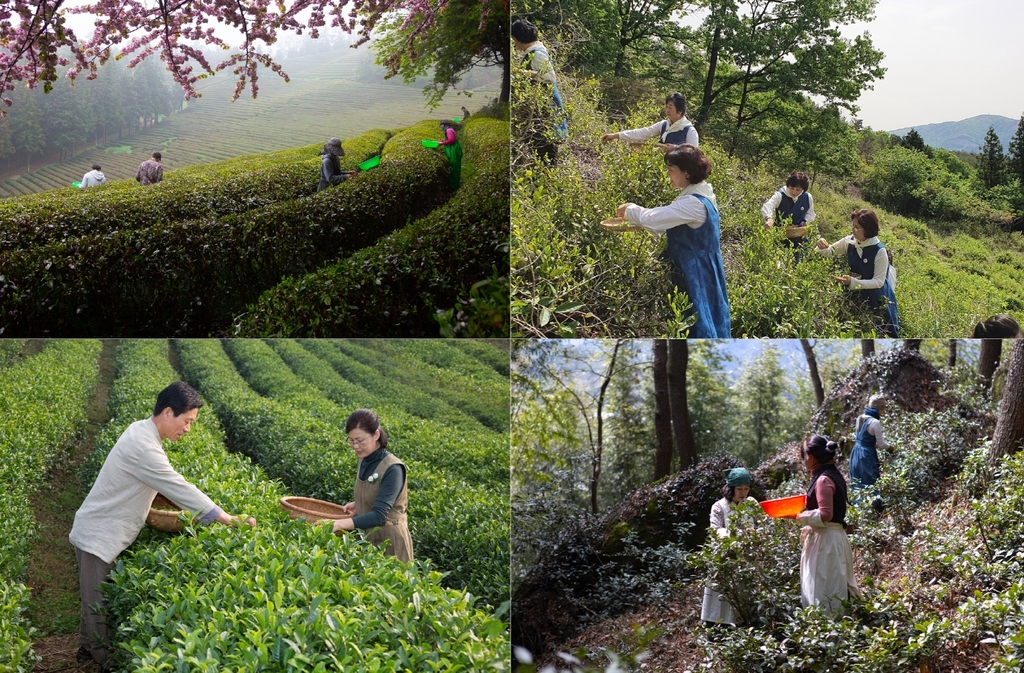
<point x="52" y="572"/>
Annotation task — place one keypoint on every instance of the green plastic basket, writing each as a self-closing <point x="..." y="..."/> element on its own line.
<point x="76" y="185"/>
<point x="430" y="143"/>
<point x="370" y="163"/>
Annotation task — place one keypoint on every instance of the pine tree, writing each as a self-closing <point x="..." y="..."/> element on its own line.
<point x="913" y="141"/>
<point x="1016" y="159"/>
<point x="992" y="162"/>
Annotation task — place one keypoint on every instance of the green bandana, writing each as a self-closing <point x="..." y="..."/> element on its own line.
<point x="737" y="476"/>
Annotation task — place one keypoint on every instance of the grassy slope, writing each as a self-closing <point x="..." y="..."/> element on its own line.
<point x="323" y="99"/>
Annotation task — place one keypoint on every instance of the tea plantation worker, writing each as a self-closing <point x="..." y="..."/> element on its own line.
<point x="381" y="493"/>
<point x="1000" y="326"/>
<point x="868" y="437"/>
<point x="93" y="178"/>
<point x="716" y="609"/>
<point x="793" y="206"/>
<point x="871" y="274"/>
<point x="151" y="170"/>
<point x="676" y="129"/>
<point x="826" y="562"/>
<point x="691" y="225"/>
<point x="116" y="507"/>
<point x="526" y="40"/>
<point x="465" y="113"/>
<point x="453" y="150"/>
<point x="330" y="166"/>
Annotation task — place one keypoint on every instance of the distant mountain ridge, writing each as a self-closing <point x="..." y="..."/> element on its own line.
<point x="966" y="135"/>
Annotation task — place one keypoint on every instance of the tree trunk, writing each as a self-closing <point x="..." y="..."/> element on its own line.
<point x="686" y="445"/>
<point x="988" y="360"/>
<point x="709" y="83"/>
<point x="867" y="348"/>
<point x="812" y="365"/>
<point x="912" y="344"/>
<point x="951" y="356"/>
<point x="662" y="412"/>
<point x="1009" y="434"/>
<point x="595" y="479"/>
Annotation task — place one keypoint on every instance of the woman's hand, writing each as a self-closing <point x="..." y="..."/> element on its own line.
<point x="822" y="244"/>
<point x="843" y="280"/>
<point x="349" y="508"/>
<point x="608" y="137"/>
<point x="352" y="174"/>
<point x="232" y="520"/>
<point x="621" y="210"/>
<point x="769" y="223"/>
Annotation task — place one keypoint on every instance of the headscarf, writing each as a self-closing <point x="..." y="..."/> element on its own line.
<point x="737" y="476"/>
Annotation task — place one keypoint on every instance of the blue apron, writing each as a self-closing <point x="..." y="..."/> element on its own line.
<point x="884" y="296"/>
<point x="864" y="470"/>
<point x="700" y="272"/>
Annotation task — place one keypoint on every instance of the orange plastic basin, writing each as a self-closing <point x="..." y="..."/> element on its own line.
<point x="785" y="508"/>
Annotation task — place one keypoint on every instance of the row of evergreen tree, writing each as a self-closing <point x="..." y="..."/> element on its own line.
<point x="55" y="125"/>
<point x="994" y="166"/>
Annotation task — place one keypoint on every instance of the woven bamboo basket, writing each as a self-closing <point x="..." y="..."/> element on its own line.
<point x="313" y="510"/>
<point x="163" y="515"/>
<point x="796" y="232"/>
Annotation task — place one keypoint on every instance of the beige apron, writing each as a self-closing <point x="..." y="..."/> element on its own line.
<point x="395" y="529"/>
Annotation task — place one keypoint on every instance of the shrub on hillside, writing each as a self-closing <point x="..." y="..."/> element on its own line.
<point x="202" y="191"/>
<point x="397" y="286"/>
<point x="192" y="277"/>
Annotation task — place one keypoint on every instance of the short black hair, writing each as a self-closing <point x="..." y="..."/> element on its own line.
<point x="678" y="100"/>
<point x="1000" y="326"/>
<point x="96" y="167"/>
<point x="798" y="179"/>
<point x="157" y="155"/>
<point x="180" y="397"/>
<point x="524" y="31"/>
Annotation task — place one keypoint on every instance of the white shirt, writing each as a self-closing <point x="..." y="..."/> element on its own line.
<point x="540" y="63"/>
<point x="874" y="428"/>
<point x="773" y="203"/>
<point x="654" y="130"/>
<point x="93" y="179"/>
<point x="882" y="267"/>
<point x="115" y="510"/>
<point x="686" y="209"/>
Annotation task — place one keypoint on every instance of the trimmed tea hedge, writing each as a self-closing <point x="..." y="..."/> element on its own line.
<point x="282" y="596"/>
<point x="396" y="287"/>
<point x="207" y="190"/>
<point x="498" y="358"/>
<point x="190" y="278"/>
<point x="42" y="412"/>
<point x="462" y="525"/>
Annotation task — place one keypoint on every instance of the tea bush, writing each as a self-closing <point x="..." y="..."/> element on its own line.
<point x="495" y="358"/>
<point x="208" y="190"/>
<point x="285" y="595"/>
<point x="397" y="286"/>
<point x="42" y="413"/>
<point x="291" y="436"/>
<point x="10" y="351"/>
<point x="191" y="277"/>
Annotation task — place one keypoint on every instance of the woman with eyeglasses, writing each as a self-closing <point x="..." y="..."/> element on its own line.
<point x="381" y="493"/>
<point x="675" y="131"/>
<point x="693" y="229"/>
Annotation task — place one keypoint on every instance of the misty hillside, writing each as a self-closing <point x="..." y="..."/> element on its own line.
<point x="966" y="135"/>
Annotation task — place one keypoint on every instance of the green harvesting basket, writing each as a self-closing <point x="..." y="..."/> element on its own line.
<point x="76" y="185"/>
<point x="370" y="163"/>
<point x="430" y="143"/>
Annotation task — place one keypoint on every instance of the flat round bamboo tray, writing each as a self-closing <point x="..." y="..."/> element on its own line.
<point x="163" y="515"/>
<point x="313" y="510"/>
<point x="619" y="224"/>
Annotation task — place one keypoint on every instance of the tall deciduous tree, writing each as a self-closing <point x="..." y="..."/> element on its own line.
<point x="812" y="366"/>
<point x="761" y="388"/>
<point x="867" y="347"/>
<point x="678" y="359"/>
<point x="1015" y="161"/>
<point x="988" y="359"/>
<point x="662" y="412"/>
<point x="951" y="354"/>
<point x="1009" y="434"/>
<point x="991" y="161"/>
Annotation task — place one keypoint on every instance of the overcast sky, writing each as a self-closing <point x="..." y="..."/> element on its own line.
<point x="946" y="60"/>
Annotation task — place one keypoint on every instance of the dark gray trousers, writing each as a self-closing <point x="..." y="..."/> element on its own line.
<point x="94" y="634"/>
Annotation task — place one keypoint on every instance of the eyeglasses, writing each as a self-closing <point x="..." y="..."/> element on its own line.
<point x="358" y="442"/>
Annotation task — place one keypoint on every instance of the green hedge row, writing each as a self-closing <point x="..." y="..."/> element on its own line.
<point x="195" y="192"/>
<point x="282" y="596"/>
<point x="396" y="287"/>
<point x="459" y="514"/>
<point x="42" y="412"/>
<point x="483" y="398"/>
<point x="495" y="357"/>
<point x="192" y="277"/>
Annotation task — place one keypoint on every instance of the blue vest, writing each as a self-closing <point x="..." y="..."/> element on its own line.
<point x="864" y="264"/>
<point x="676" y="137"/>
<point x="697" y="254"/>
<point x="793" y="210"/>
